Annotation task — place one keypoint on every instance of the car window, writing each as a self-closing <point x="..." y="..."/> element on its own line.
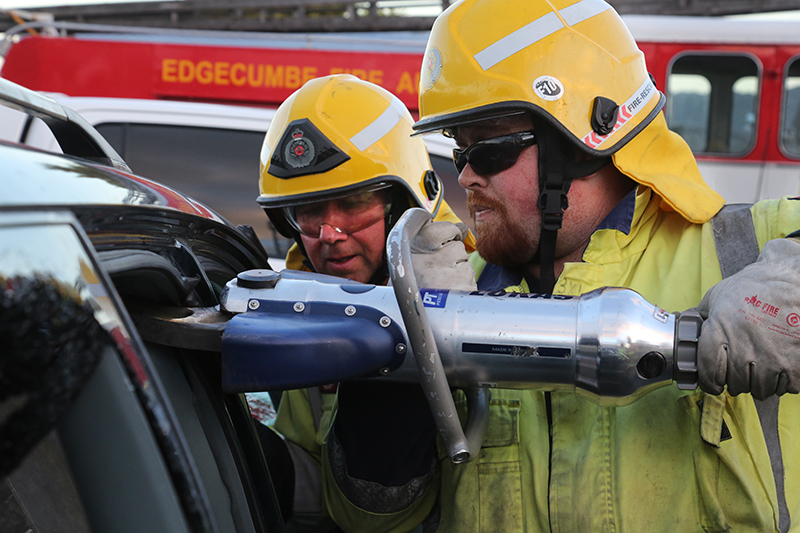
<point x="29" y="505"/>
<point x="55" y="264"/>
<point x="44" y="267"/>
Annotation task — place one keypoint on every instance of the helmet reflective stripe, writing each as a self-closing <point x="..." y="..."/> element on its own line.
<point x="519" y="40"/>
<point x="629" y="109"/>
<point x="381" y="126"/>
<point x="585" y="9"/>
<point x="538" y="30"/>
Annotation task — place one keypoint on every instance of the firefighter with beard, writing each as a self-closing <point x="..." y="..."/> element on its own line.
<point x="338" y="168"/>
<point x="575" y="183"/>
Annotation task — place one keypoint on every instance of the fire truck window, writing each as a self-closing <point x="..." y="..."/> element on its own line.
<point x="712" y="102"/>
<point x="687" y="108"/>
<point x="218" y="167"/>
<point x="790" y="128"/>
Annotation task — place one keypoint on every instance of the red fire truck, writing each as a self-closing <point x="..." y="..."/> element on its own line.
<point x="732" y="86"/>
<point x="242" y="68"/>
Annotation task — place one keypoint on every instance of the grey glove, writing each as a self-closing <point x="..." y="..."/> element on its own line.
<point x="440" y="259"/>
<point x="750" y="339"/>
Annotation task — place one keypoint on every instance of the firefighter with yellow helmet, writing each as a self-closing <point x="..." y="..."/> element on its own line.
<point x="344" y="144"/>
<point x="575" y="183"/>
<point x="338" y="168"/>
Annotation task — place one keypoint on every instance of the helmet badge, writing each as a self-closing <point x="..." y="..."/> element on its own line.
<point x="300" y="151"/>
<point x="304" y="150"/>
<point x="548" y="88"/>
<point x="431" y="69"/>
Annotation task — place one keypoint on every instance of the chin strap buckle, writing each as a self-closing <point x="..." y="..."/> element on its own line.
<point x="552" y="205"/>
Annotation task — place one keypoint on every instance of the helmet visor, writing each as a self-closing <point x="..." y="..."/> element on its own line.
<point x="358" y="210"/>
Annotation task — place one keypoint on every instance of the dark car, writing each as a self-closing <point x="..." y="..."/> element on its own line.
<point x="112" y="417"/>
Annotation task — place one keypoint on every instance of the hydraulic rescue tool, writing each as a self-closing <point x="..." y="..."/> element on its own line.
<point x="295" y="329"/>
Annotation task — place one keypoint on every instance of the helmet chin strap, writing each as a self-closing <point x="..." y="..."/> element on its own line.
<point x="557" y="169"/>
<point x="553" y="189"/>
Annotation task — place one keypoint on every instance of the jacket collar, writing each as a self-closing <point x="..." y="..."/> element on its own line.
<point x="621" y="217"/>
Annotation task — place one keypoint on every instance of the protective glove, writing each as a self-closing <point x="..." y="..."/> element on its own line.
<point x="440" y="259"/>
<point x="750" y="339"/>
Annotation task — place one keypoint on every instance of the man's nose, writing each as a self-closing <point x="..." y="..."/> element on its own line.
<point x="329" y="234"/>
<point x="469" y="179"/>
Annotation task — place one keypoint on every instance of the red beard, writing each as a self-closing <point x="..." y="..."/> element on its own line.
<point x="501" y="241"/>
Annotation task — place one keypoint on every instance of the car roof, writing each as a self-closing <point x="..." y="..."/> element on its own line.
<point x="136" y="110"/>
<point x="33" y="178"/>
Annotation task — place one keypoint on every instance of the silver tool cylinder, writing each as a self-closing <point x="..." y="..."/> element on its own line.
<point x="610" y="345"/>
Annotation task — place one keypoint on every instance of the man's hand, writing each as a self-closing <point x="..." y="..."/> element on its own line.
<point x="439" y="258"/>
<point x="750" y="339"/>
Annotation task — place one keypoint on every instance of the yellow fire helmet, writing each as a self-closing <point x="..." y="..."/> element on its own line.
<point x="574" y="66"/>
<point x="338" y="134"/>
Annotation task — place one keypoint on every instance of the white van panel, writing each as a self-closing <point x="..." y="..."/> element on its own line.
<point x="744" y="182"/>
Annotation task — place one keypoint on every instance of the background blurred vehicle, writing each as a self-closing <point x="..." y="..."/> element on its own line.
<point x="732" y="86"/>
<point x="200" y="128"/>
<point x="111" y="393"/>
<point x="209" y="151"/>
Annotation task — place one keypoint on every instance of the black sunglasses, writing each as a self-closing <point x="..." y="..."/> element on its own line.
<point x="494" y="155"/>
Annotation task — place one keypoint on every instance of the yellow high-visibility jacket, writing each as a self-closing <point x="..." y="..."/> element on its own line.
<point x="674" y="461"/>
